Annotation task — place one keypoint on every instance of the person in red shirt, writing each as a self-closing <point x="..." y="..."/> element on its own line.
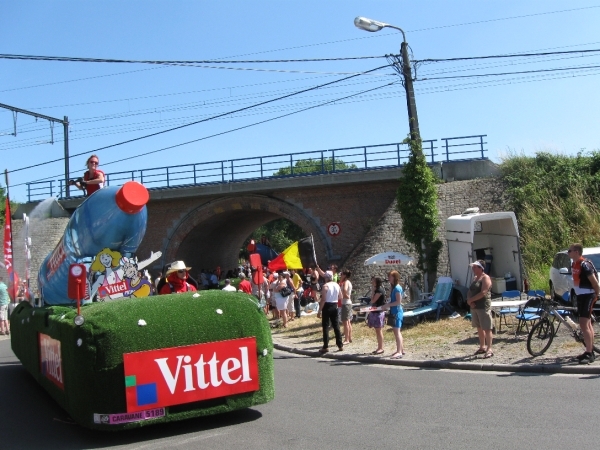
<point x="93" y="179"/>
<point x="176" y="282"/>
<point x="245" y="285"/>
<point x="587" y="290"/>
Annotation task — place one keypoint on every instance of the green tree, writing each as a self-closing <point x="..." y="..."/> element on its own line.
<point x="304" y="166"/>
<point x="417" y="205"/>
<point x="281" y="234"/>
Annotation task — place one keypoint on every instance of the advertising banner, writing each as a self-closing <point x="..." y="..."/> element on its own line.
<point x="51" y="360"/>
<point x="172" y="376"/>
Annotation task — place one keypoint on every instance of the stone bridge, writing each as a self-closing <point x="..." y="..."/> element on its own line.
<point x="205" y="226"/>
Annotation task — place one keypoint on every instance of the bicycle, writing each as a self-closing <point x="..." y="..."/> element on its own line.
<point x="542" y="333"/>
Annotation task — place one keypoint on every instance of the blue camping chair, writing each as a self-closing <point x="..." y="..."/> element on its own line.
<point x="529" y="313"/>
<point x="505" y="311"/>
<point x="439" y="301"/>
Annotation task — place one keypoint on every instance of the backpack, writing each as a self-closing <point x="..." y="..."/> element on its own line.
<point x="584" y="282"/>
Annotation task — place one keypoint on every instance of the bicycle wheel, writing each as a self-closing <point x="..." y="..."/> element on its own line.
<point x="540" y="337"/>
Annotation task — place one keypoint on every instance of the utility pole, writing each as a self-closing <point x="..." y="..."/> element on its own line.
<point x="413" y="121"/>
<point x="65" y="123"/>
<point x="411" y="104"/>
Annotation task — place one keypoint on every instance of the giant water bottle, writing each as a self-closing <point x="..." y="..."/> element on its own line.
<point x="113" y="217"/>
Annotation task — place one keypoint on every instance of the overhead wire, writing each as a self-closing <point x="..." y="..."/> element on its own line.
<point x="141" y="126"/>
<point x="203" y="104"/>
<point x="421" y="91"/>
<point x="510" y="73"/>
<point x="510" y="55"/>
<point x="228" y="131"/>
<point x="207" y="119"/>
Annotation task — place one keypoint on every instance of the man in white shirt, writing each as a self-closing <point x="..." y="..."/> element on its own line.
<point x="228" y="287"/>
<point x="328" y="311"/>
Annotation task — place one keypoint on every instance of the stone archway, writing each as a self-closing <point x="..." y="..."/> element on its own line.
<point x="212" y="234"/>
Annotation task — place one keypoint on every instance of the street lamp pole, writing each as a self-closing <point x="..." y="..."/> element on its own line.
<point x="413" y="121"/>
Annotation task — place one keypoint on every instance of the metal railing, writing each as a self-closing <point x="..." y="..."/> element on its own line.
<point x="318" y="162"/>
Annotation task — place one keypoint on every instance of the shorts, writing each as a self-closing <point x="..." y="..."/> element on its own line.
<point x="480" y="318"/>
<point x="346" y="312"/>
<point x="399" y="320"/>
<point x="585" y="305"/>
<point x="4" y="312"/>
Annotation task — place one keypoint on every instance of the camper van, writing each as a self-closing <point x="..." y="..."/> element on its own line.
<point x="492" y="237"/>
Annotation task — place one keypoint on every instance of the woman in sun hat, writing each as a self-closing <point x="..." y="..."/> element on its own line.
<point x="177" y="275"/>
<point x="480" y="300"/>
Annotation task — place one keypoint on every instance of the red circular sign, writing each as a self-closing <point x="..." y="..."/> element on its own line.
<point x="334" y="229"/>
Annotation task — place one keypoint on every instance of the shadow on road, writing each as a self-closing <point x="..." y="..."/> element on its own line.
<point x="31" y="419"/>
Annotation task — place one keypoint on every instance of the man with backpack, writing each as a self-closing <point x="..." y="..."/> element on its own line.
<point x="587" y="290"/>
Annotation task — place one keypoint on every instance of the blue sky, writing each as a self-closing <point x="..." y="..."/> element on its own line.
<point x="109" y="103"/>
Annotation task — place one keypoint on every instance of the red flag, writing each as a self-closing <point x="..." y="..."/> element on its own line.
<point x="8" y="254"/>
<point x="14" y="286"/>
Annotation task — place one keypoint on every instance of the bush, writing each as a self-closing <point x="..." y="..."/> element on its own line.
<point x="555" y="198"/>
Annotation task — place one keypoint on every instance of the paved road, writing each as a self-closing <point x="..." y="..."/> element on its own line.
<point x="329" y="404"/>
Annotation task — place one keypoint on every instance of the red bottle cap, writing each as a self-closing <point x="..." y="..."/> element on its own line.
<point x="132" y="197"/>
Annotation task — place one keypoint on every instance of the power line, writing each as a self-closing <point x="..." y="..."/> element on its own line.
<point x="207" y="119"/>
<point x="173" y="93"/>
<point x="80" y="79"/>
<point x="510" y="73"/>
<point x="374" y="36"/>
<point x="202" y="104"/>
<point x="503" y="18"/>
<point x="145" y="125"/>
<point x="514" y="55"/>
<point x="175" y="62"/>
<point x="421" y="91"/>
<point x="232" y="130"/>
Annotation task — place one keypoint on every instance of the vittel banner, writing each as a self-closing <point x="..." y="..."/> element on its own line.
<point x="51" y="360"/>
<point x="172" y="376"/>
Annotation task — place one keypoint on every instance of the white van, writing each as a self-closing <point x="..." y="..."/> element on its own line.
<point x="493" y="237"/>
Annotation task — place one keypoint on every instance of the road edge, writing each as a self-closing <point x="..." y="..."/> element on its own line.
<point x="450" y="365"/>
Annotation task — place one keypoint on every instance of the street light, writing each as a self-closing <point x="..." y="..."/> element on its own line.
<point x="413" y="121"/>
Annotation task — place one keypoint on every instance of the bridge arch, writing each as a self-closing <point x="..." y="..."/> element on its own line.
<point x="212" y="234"/>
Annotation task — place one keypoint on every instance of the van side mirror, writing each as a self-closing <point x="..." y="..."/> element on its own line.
<point x="564" y="271"/>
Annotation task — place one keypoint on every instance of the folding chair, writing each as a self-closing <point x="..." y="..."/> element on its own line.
<point x="508" y="295"/>
<point x="529" y="313"/>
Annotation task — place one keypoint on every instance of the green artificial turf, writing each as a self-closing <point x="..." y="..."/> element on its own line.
<point x="93" y="371"/>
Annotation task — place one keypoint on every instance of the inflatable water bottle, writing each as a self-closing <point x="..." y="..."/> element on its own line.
<point x="113" y="218"/>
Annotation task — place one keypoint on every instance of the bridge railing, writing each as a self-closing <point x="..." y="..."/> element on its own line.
<point x="317" y="162"/>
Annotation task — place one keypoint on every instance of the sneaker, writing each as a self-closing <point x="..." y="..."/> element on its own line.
<point x="581" y="357"/>
<point x="588" y="358"/>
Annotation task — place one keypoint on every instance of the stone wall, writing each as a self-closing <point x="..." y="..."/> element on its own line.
<point x="453" y="198"/>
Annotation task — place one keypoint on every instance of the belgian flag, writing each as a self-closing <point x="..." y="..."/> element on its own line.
<point x="299" y="255"/>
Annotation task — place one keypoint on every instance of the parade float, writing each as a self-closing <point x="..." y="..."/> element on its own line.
<point x="115" y="357"/>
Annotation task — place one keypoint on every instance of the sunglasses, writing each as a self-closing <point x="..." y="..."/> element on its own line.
<point x="95" y="163"/>
<point x="181" y="271"/>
